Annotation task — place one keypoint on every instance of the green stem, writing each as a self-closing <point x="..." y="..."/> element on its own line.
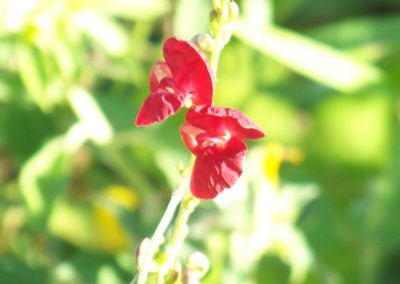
<point x="214" y="56"/>
<point x="157" y="237"/>
<point x="178" y="234"/>
<point x="221" y="22"/>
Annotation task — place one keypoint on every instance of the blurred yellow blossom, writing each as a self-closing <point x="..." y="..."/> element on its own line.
<point x="122" y="196"/>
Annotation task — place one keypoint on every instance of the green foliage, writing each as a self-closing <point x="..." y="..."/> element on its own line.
<point x="80" y="186"/>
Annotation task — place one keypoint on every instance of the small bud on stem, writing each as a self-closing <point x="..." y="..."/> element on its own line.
<point x="222" y="19"/>
<point x="233" y="11"/>
<point x="140" y="252"/>
<point x="198" y="263"/>
<point x="205" y="42"/>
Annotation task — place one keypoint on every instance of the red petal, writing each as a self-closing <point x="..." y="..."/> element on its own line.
<point x="190" y="69"/>
<point x="158" y="71"/>
<point x="157" y="107"/>
<point x="216" y="169"/>
<point x="212" y="119"/>
<point x="188" y="135"/>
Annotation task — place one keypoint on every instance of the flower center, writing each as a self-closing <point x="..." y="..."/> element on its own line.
<point x="219" y="140"/>
<point x="197" y="139"/>
<point x="169" y="89"/>
<point x="188" y="102"/>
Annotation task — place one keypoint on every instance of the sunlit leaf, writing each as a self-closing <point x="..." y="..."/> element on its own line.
<point x="271" y="112"/>
<point x="64" y="57"/>
<point x="258" y="13"/>
<point x="370" y="38"/>
<point x="43" y="177"/>
<point x="32" y="73"/>
<point x="356" y="125"/>
<point x="236" y="80"/>
<point x="315" y="60"/>
<point x="90" y="114"/>
<point x="359" y="31"/>
<point x="103" y="31"/>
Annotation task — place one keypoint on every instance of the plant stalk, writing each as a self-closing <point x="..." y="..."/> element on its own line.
<point x="158" y="235"/>
<point x="178" y="234"/>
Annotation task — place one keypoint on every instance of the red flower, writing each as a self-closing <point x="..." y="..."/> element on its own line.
<point x="184" y="79"/>
<point x="215" y="136"/>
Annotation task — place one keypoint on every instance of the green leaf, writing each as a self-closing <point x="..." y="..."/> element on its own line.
<point x="13" y="270"/>
<point x="64" y="57"/>
<point x="236" y="78"/>
<point x="310" y="58"/>
<point x="32" y="73"/>
<point x="104" y="32"/>
<point x="361" y="31"/>
<point x="43" y="177"/>
<point x="272" y="270"/>
<point x="5" y="91"/>
<point x="90" y="114"/>
<point x="271" y="112"/>
<point x="258" y="12"/>
<point x="383" y="223"/>
<point x="358" y="125"/>
<point x="23" y="129"/>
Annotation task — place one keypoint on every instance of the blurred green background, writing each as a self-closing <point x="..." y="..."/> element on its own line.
<point x="80" y="186"/>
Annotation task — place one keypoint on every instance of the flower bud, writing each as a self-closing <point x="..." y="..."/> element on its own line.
<point x="214" y="23"/>
<point x="140" y="255"/>
<point x="226" y="36"/>
<point x="190" y="202"/>
<point x="175" y="274"/>
<point x="189" y="278"/>
<point x="182" y="170"/>
<point x="233" y="11"/>
<point x="198" y="264"/>
<point x="223" y="14"/>
<point x="140" y="252"/>
<point x="180" y="167"/>
<point x="217" y="5"/>
<point x="204" y="41"/>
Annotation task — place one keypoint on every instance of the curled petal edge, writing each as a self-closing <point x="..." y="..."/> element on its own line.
<point x="209" y="117"/>
<point x="158" y="72"/>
